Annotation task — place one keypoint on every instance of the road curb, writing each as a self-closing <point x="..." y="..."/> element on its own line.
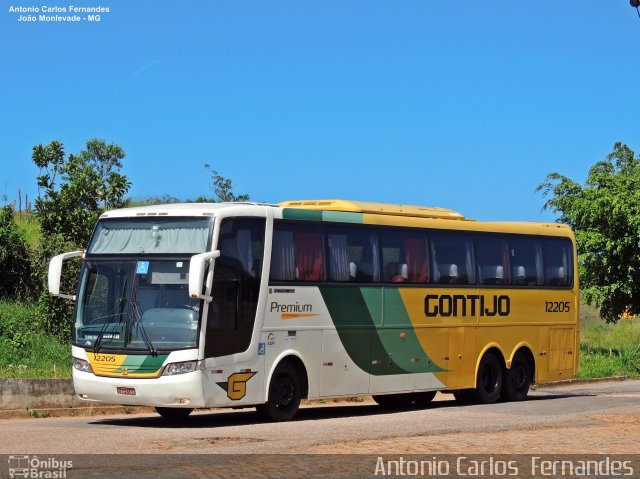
<point x="577" y="382"/>
<point x="72" y="411"/>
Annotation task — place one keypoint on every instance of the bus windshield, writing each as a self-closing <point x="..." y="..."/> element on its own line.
<point x="136" y="304"/>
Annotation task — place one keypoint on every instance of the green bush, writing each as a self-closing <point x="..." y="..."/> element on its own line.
<point x="16" y="281"/>
<point x="56" y="314"/>
<point x="25" y="348"/>
<point x="18" y="321"/>
<point x="628" y="360"/>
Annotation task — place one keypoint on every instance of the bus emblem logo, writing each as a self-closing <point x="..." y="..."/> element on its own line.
<point x="124" y="371"/>
<point x="236" y="385"/>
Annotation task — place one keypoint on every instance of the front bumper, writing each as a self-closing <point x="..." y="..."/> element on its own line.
<point x="181" y="390"/>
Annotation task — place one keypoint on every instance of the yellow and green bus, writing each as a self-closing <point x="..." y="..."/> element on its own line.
<point x="185" y="306"/>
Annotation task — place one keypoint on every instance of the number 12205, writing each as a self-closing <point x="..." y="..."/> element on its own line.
<point x="557" y="306"/>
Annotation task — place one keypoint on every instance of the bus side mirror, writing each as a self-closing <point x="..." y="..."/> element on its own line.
<point x="196" y="273"/>
<point x="55" y="271"/>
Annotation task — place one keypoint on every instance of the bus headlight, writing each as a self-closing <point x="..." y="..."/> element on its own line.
<point x="180" y="368"/>
<point x="82" y="365"/>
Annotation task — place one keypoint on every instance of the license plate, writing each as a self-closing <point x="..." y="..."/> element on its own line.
<point x="126" y="391"/>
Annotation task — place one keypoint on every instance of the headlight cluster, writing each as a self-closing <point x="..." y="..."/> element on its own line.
<point x="82" y="365"/>
<point x="180" y="368"/>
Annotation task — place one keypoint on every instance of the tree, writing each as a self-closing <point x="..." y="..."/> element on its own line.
<point x="222" y="188"/>
<point x="605" y="216"/>
<point x="78" y="189"/>
<point x="73" y="192"/>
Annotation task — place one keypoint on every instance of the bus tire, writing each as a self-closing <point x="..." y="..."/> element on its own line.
<point x="489" y="380"/>
<point x="174" y="413"/>
<point x="404" y="401"/>
<point x="285" y="391"/>
<point x="516" y="382"/>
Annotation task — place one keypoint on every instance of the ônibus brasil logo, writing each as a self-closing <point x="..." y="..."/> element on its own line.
<point x="24" y="466"/>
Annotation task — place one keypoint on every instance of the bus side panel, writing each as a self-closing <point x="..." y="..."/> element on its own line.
<point x="340" y="374"/>
<point x="447" y="340"/>
<point x="306" y="345"/>
<point x="462" y="354"/>
<point x="534" y="316"/>
<point x="297" y="319"/>
<point x="561" y="353"/>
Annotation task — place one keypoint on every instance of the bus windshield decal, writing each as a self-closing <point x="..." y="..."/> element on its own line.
<point x="161" y="236"/>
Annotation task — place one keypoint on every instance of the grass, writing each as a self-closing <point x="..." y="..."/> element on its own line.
<point x="608" y="349"/>
<point x="29" y="227"/>
<point x="26" y="351"/>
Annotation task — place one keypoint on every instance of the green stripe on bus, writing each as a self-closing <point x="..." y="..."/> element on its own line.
<point x="357" y="332"/>
<point x="373" y="299"/>
<point x="318" y="215"/>
<point x="144" y="362"/>
<point x="390" y="349"/>
<point x="296" y="214"/>
<point x="410" y="354"/>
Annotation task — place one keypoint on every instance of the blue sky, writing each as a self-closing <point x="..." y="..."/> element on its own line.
<point x="466" y="105"/>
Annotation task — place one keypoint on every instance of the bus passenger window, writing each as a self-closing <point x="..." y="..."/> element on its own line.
<point x="353" y="255"/>
<point x="309" y="257"/>
<point x="526" y="261"/>
<point x="297" y="254"/>
<point x="492" y="255"/>
<point x="283" y="256"/>
<point x="404" y="257"/>
<point x="557" y="261"/>
<point x="452" y="259"/>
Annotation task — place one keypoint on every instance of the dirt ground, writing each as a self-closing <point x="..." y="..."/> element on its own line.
<point x="606" y="434"/>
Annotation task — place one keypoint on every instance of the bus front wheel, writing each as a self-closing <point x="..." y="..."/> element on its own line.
<point x="284" y="394"/>
<point x="173" y="413"/>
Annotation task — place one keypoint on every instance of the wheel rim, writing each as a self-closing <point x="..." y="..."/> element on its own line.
<point x="284" y="391"/>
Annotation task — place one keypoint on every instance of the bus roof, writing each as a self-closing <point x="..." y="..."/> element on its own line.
<point x="374" y="208"/>
<point x="350" y="212"/>
<point x="174" y="209"/>
<point x="410" y="216"/>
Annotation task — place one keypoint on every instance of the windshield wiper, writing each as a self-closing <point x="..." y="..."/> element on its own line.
<point x="133" y="302"/>
<point x="120" y="304"/>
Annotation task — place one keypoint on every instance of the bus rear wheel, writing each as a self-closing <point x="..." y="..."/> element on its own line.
<point x="489" y="381"/>
<point x="174" y="413"/>
<point x="517" y="379"/>
<point x="284" y="394"/>
<point x="404" y="401"/>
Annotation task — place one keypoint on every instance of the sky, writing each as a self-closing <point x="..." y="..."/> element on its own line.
<point x="459" y="104"/>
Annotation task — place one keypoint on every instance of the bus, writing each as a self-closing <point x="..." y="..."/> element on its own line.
<point x="184" y="306"/>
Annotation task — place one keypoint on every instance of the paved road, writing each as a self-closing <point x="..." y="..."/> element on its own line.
<point x="568" y="417"/>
